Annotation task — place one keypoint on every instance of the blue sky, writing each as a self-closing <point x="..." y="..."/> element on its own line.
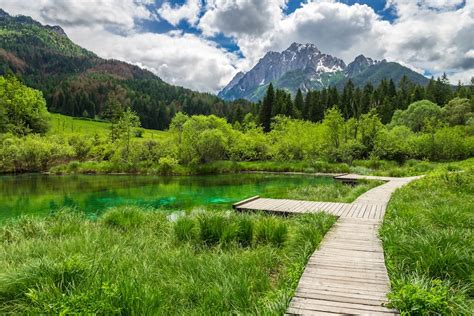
<point x="202" y="44"/>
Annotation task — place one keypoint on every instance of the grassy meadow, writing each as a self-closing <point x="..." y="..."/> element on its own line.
<point x="71" y="126"/>
<point x="428" y="240"/>
<point x="137" y="261"/>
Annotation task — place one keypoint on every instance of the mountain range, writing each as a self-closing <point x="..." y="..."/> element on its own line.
<point x="77" y="82"/>
<point x="305" y="67"/>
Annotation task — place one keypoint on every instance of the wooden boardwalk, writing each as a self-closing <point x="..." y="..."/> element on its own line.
<point x="347" y="274"/>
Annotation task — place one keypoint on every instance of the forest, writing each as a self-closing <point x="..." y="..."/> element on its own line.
<point x="311" y="129"/>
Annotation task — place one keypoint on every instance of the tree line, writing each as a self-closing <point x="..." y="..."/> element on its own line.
<point x="353" y="101"/>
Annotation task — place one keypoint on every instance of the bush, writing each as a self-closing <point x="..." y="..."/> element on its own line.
<point x="167" y="165"/>
<point x="32" y="153"/>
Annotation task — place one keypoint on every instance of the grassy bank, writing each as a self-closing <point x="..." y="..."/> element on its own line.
<point x="428" y="240"/>
<point x="170" y="167"/>
<point x="134" y="262"/>
<point x="333" y="192"/>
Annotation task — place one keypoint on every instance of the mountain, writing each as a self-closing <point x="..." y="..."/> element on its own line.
<point x="305" y="67"/>
<point x="77" y="82"/>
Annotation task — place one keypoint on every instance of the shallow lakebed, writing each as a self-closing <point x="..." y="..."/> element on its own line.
<point x="39" y="195"/>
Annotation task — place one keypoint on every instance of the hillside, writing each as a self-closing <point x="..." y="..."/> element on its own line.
<point x="305" y="67"/>
<point x="77" y="82"/>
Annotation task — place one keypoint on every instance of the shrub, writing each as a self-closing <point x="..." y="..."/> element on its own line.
<point x="167" y="165"/>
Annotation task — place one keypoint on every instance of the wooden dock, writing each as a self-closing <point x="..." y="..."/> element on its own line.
<point x="347" y="274"/>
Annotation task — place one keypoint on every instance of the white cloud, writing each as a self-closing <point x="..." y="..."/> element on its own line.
<point x="435" y="40"/>
<point x="189" y="11"/>
<point x="432" y="35"/>
<point x="463" y="76"/>
<point x="116" y="14"/>
<point x="180" y="59"/>
<point x="241" y="17"/>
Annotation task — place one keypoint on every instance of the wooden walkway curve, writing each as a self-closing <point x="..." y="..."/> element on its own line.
<point x="347" y="274"/>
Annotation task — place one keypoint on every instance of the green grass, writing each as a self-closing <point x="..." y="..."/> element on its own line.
<point x="428" y="240"/>
<point x="332" y="192"/>
<point x="134" y="262"/>
<point x="71" y="126"/>
<point x="409" y="168"/>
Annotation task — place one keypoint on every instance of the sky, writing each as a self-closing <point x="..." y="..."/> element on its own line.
<point x="202" y="44"/>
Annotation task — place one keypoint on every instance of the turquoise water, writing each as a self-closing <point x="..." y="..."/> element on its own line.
<point x="42" y="194"/>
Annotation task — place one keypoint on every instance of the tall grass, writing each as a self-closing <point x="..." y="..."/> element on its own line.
<point x="428" y="240"/>
<point x="335" y="191"/>
<point x="134" y="262"/>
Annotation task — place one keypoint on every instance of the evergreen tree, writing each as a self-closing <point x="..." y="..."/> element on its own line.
<point x="347" y="100"/>
<point x="307" y="105"/>
<point x="430" y="90"/>
<point x="299" y="103"/>
<point x="317" y="107"/>
<point x="265" y="116"/>
<point x="366" y="99"/>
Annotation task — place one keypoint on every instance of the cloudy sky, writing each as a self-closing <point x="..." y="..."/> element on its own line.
<point x="201" y="44"/>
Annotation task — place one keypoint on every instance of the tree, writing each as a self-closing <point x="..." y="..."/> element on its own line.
<point x="370" y="126"/>
<point x="127" y="123"/>
<point x="24" y="109"/>
<point x="417" y="113"/>
<point x="334" y="123"/>
<point x="3" y="117"/>
<point x="265" y="116"/>
<point x="347" y="100"/>
<point x="458" y="111"/>
<point x="307" y="105"/>
<point x="299" y="103"/>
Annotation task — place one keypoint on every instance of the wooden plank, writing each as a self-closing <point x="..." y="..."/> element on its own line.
<point x="340" y="307"/>
<point x="235" y="205"/>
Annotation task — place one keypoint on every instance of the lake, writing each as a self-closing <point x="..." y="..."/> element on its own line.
<point x="35" y="194"/>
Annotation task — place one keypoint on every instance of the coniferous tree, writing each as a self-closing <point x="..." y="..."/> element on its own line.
<point x="265" y="116"/>
<point x="347" y="100"/>
<point x="299" y="102"/>
<point x="307" y="105"/>
<point x="366" y="99"/>
<point x="317" y="107"/>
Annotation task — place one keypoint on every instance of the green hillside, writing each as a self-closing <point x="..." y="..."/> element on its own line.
<point x="76" y="82"/>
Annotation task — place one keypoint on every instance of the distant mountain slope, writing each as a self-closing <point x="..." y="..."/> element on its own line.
<point x="77" y="82"/>
<point x="305" y="67"/>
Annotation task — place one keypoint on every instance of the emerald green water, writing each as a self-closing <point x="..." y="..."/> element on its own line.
<point x="41" y="194"/>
